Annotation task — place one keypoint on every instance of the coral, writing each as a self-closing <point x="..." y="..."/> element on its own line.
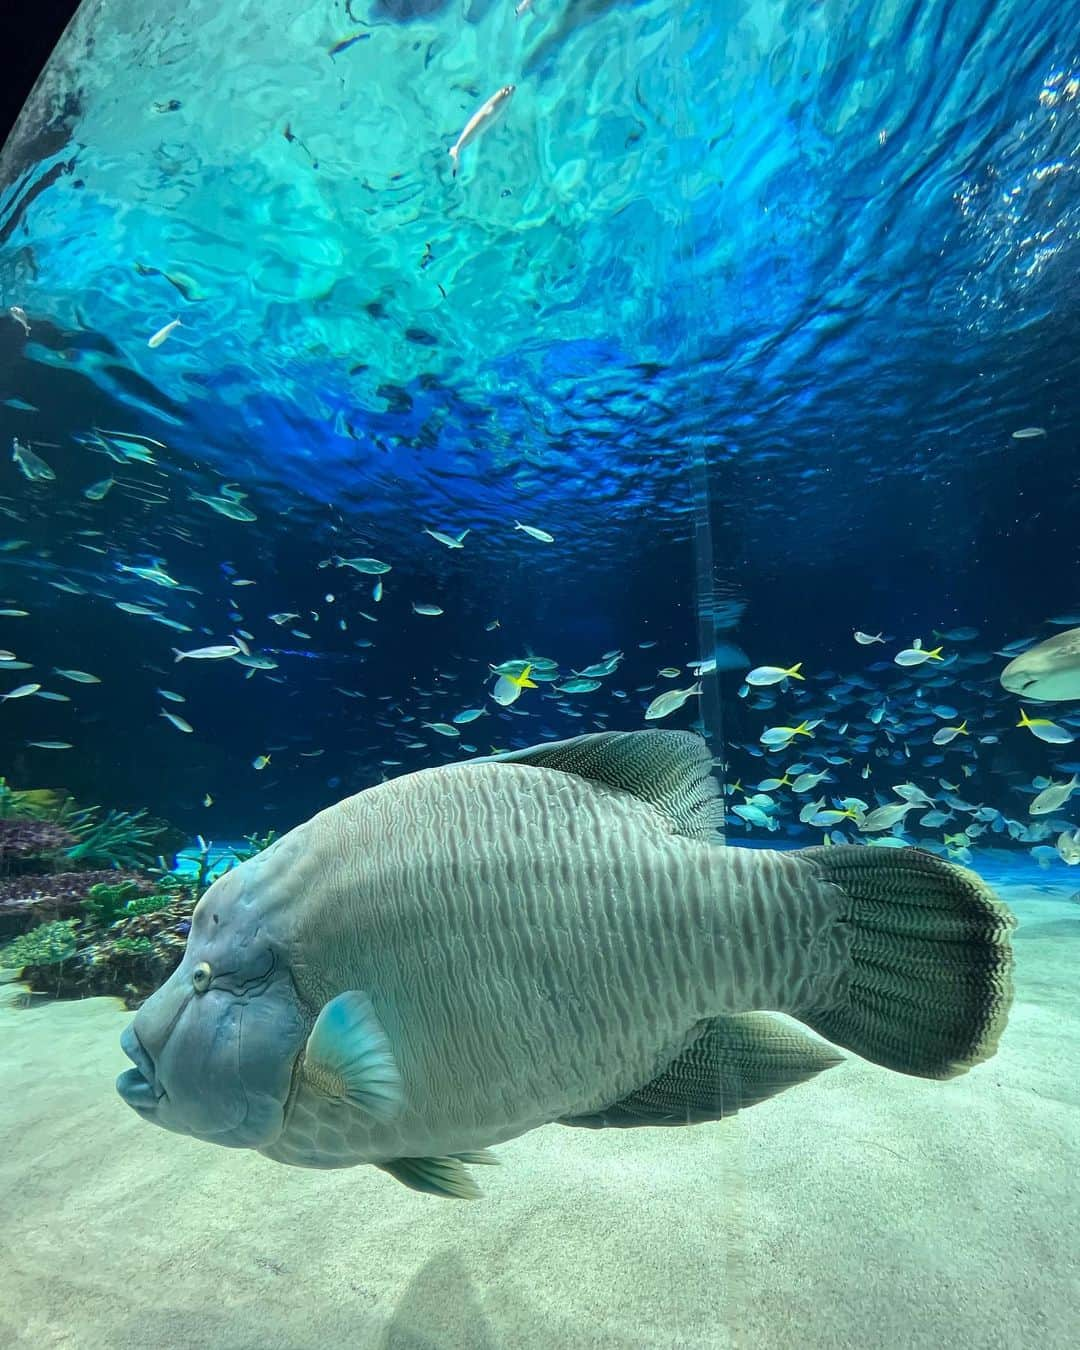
<point x="26" y="838"/>
<point x="126" y="932"/>
<point x="36" y="804"/>
<point x="129" y="959"/>
<point x="255" y="844"/>
<point x="120" y="838"/>
<point x="148" y="904"/>
<point x="133" y="946"/>
<point x="105" y="901"/>
<point x="117" y="839"/>
<point x="45" y="945"/>
<point x="26" y="898"/>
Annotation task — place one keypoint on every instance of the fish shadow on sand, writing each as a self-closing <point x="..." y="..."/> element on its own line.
<point x="441" y="1307"/>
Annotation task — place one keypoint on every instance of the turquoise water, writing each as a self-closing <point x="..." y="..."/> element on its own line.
<point x="737" y="337"/>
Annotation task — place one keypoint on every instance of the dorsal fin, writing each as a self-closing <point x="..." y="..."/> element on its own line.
<point x="671" y="770"/>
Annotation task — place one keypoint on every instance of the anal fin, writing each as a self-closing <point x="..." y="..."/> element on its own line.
<point x="734" y="1062"/>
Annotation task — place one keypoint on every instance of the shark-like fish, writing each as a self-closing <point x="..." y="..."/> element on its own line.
<point x="1049" y="672"/>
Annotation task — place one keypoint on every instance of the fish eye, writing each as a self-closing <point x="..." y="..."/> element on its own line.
<point x="200" y="978"/>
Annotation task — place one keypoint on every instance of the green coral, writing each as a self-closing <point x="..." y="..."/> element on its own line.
<point x="45" y="945"/>
<point x="119" y="839"/>
<point x="107" y="901"/>
<point x="255" y="845"/>
<point x="146" y="904"/>
<point x="37" y="804"/>
<point x="133" y="946"/>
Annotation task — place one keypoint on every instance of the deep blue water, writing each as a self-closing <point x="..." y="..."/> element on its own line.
<point x="742" y="304"/>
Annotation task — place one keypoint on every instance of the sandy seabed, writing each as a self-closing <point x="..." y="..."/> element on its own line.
<point x="862" y="1209"/>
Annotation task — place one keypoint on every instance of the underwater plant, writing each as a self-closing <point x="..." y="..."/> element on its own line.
<point x="46" y="945"/>
<point x="120" y="839"/>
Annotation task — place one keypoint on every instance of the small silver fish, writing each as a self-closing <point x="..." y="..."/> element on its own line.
<point x="76" y="676"/>
<point x="483" y="117"/>
<point x="665" y="704"/>
<point x="884" y="817"/>
<point x="1053" y="798"/>
<point x="31" y="466"/>
<point x="160" y="336"/>
<point x="178" y="722"/>
<point x="21" y="691"/>
<point x="949" y="734"/>
<point x="226" y="506"/>
<point x="531" y="530"/>
<point x="450" y="540"/>
<point x="916" y="655"/>
<point x="370" y="566"/>
<point x="222" y="652"/>
<point x="156" y="574"/>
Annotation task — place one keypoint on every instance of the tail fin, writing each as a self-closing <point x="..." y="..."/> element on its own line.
<point x="929" y="978"/>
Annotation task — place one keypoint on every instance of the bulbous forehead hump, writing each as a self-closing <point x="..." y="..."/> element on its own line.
<point x="262" y="893"/>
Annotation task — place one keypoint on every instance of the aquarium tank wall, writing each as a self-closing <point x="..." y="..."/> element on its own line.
<point x="540" y="676"/>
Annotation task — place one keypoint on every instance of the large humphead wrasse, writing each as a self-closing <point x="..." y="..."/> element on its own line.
<point x="454" y="957"/>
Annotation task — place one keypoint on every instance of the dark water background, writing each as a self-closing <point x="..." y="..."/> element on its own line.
<point x="827" y="271"/>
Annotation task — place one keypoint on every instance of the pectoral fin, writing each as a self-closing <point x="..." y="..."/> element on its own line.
<point x="735" y="1061"/>
<point x="440" y="1176"/>
<point x="349" y="1057"/>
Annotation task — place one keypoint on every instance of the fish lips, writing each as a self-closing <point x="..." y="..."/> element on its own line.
<point x="221" y="1066"/>
<point x="138" y="1086"/>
